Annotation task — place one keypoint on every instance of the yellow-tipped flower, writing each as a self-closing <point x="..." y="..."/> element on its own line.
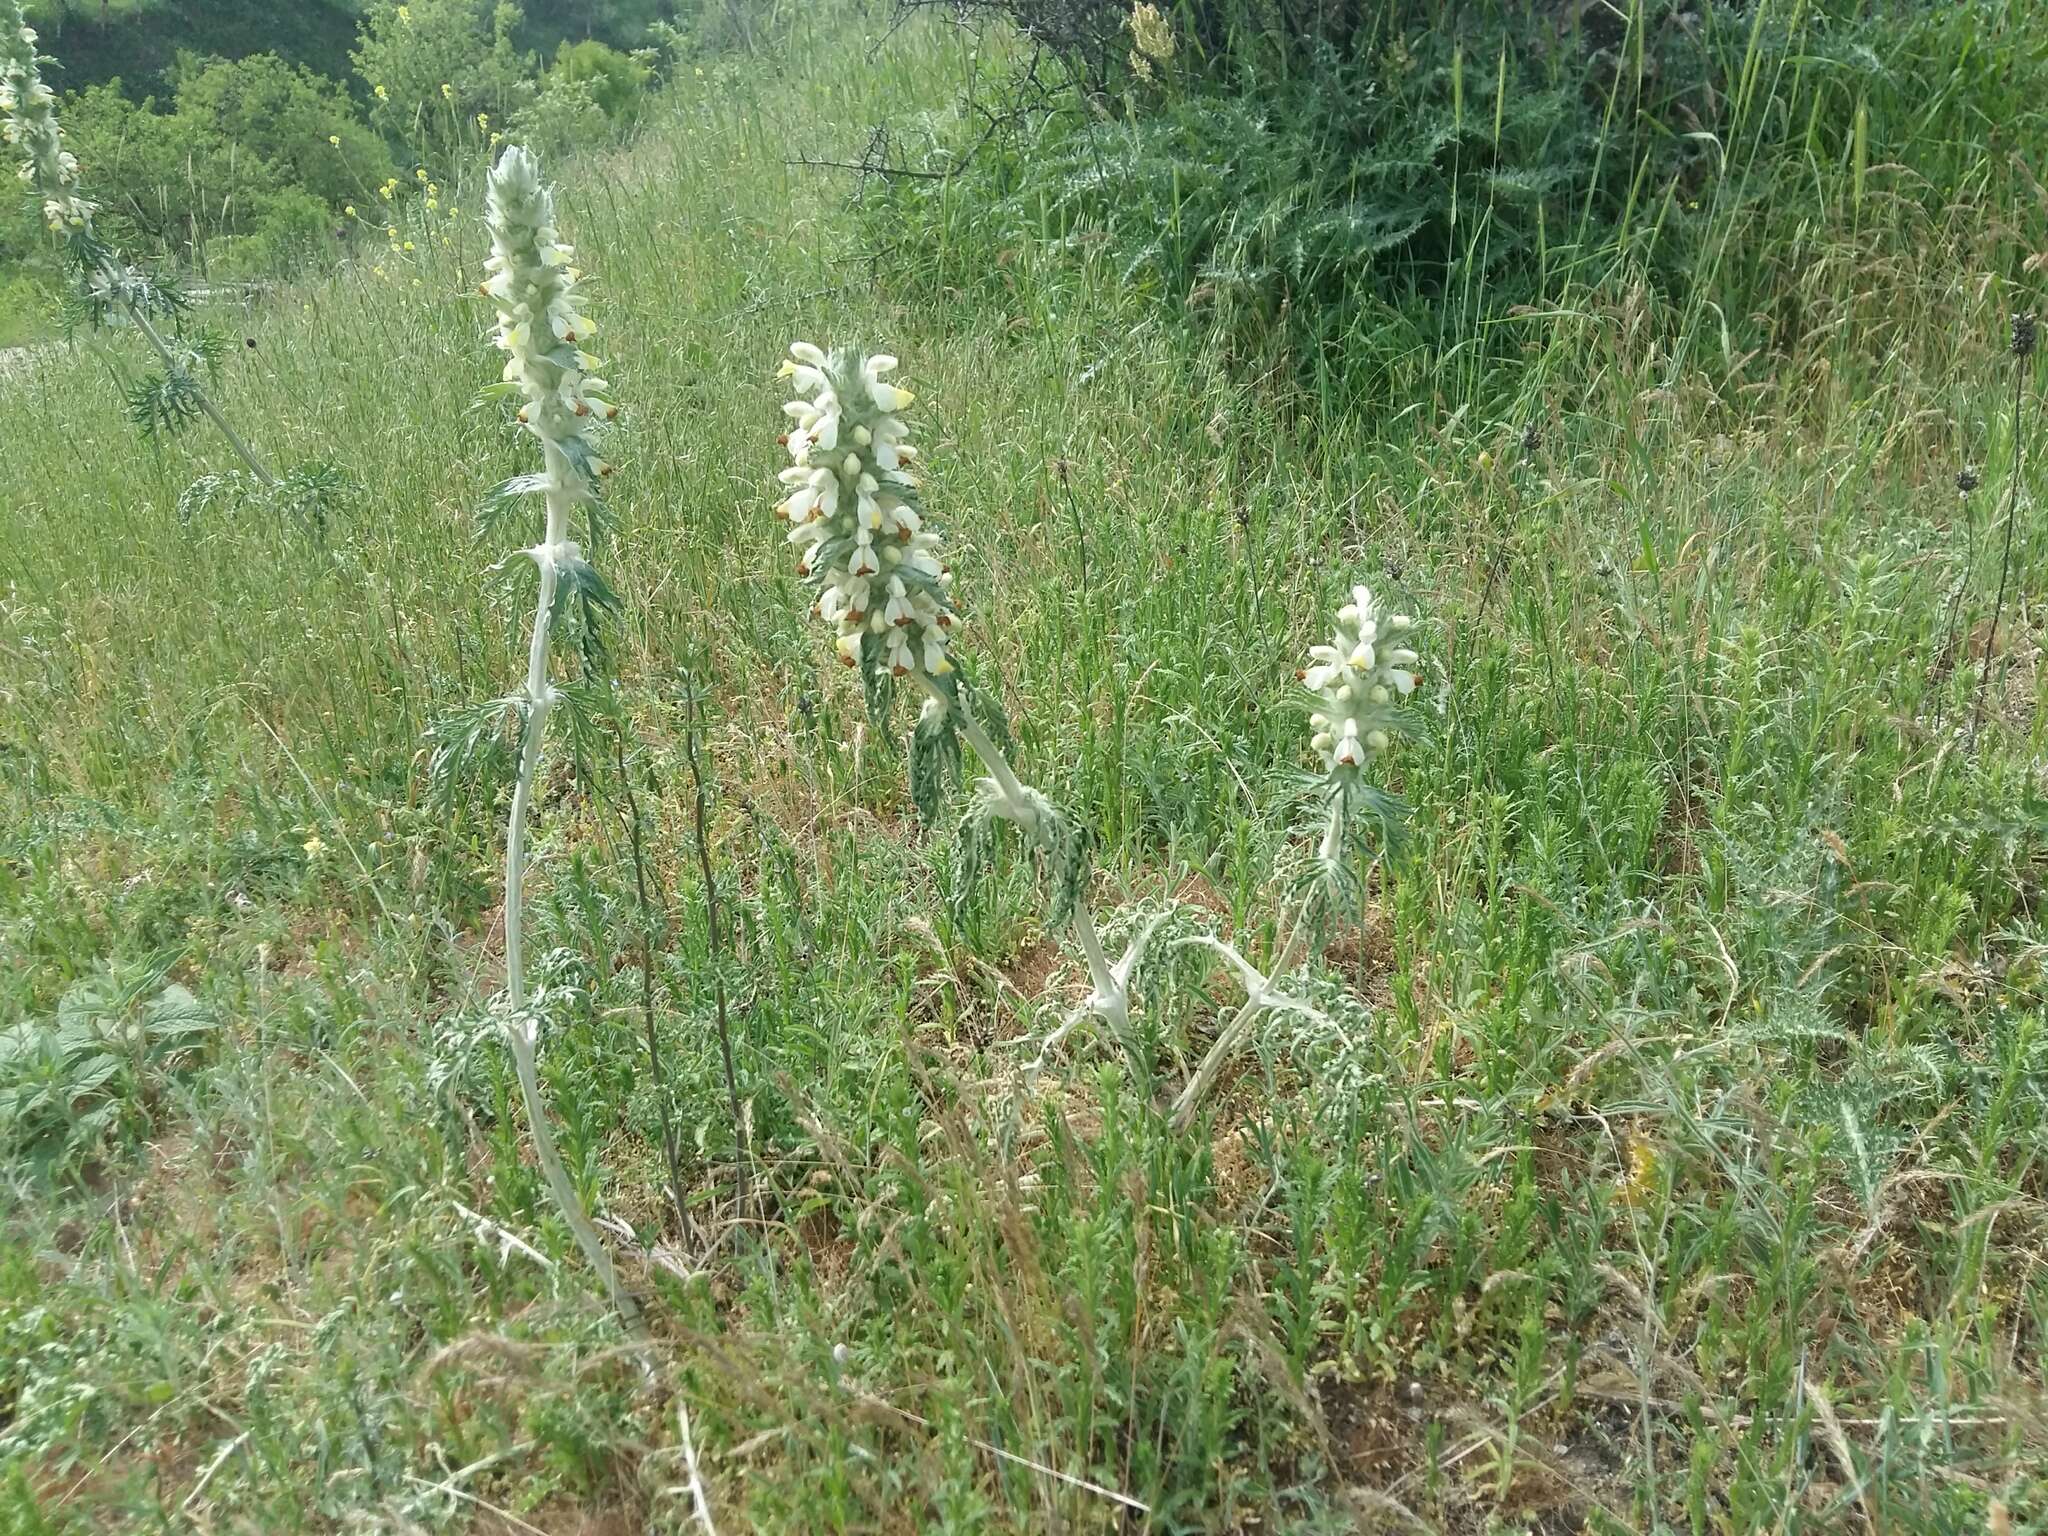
<point x="540" y="328"/>
<point x="1360" y="680"/>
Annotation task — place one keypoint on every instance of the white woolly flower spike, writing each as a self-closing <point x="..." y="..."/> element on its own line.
<point x="1358" y="683"/>
<point x="31" y="127"/>
<point x="540" y="329"/>
<point x="852" y="506"/>
<point x="1359" y="680"/>
<point x="541" y="332"/>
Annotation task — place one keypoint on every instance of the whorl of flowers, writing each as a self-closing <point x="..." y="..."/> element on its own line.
<point x="30" y="109"/>
<point x="1359" y="680"/>
<point x="540" y="328"/>
<point x="853" y="513"/>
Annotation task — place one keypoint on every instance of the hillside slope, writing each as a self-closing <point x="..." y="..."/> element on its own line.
<point x="1664" y="1151"/>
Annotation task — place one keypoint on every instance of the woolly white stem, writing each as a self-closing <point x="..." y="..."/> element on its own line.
<point x="1109" y="1001"/>
<point x="520" y="1030"/>
<point x="1233" y="1034"/>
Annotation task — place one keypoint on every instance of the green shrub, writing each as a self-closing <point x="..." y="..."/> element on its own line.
<point x="250" y="148"/>
<point x="617" y="81"/>
<point x="432" y="65"/>
<point x="287" y="117"/>
<point x="563" y="116"/>
<point x="1363" y="194"/>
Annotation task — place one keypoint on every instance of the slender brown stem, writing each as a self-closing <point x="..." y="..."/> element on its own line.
<point x="656" y="1068"/>
<point x="716" y="941"/>
<point x="2012" y="512"/>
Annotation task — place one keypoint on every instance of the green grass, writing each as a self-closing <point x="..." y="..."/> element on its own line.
<point x="1673" y="1159"/>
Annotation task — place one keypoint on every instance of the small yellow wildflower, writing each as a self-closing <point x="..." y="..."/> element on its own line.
<point x="1639" y="1183"/>
<point x="334" y="139"/>
<point x="382" y="94"/>
<point x="433" y="190"/>
<point x="433" y="204"/>
<point x="391" y="231"/>
<point x="408" y="245"/>
<point x="447" y="91"/>
<point x="379" y="271"/>
<point x="350" y="210"/>
<point x="420" y="174"/>
<point x="483" y="119"/>
<point x="496" y="138"/>
<point x="405" y="14"/>
<point x="313" y="846"/>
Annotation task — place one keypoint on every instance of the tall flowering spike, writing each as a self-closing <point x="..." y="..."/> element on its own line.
<point x="540" y="329"/>
<point x="31" y="128"/>
<point x="541" y="333"/>
<point x="1359" y="681"/>
<point x="853" y="511"/>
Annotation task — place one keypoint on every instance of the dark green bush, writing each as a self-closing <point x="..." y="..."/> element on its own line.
<point x="617" y="81"/>
<point x="1366" y="186"/>
<point x="431" y="66"/>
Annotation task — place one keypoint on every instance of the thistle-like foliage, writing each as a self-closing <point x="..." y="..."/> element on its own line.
<point x="31" y="128"/>
<point x="854" y="516"/>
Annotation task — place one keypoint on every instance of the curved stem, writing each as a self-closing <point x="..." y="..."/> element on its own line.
<point x="520" y="1029"/>
<point x="1233" y="1034"/>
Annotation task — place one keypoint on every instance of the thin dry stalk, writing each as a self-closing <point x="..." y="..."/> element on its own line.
<point x="714" y="937"/>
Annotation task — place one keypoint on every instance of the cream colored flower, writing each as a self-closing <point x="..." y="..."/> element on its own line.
<point x="851" y="504"/>
<point x="1360" y="679"/>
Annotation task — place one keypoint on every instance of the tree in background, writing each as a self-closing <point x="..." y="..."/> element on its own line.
<point x="253" y="149"/>
<point x="432" y="65"/>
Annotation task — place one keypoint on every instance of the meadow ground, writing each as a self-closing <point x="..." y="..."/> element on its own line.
<point x="1668" y="1153"/>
